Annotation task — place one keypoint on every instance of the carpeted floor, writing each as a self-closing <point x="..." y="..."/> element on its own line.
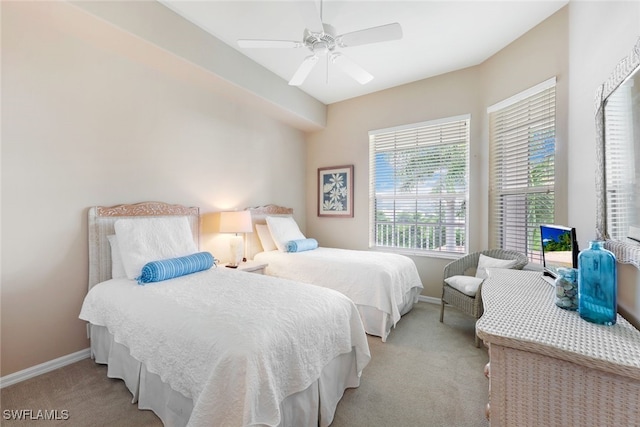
<point x="426" y="374"/>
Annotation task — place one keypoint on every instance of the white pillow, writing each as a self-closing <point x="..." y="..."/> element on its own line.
<point x="488" y="262"/>
<point x="265" y="237"/>
<point x="117" y="268"/>
<point x="283" y="229"/>
<point x="466" y="284"/>
<point x="142" y="240"/>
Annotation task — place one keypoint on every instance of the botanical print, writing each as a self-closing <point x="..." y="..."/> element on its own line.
<point x="335" y="191"/>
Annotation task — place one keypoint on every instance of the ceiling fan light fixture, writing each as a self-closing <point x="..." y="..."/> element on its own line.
<point x="320" y="48"/>
<point x="320" y="43"/>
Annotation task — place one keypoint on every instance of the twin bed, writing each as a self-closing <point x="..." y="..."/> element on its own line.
<point x="201" y="345"/>
<point x="383" y="286"/>
<point x="216" y="346"/>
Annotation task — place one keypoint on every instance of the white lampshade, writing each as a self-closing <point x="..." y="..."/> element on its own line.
<point x="235" y="222"/>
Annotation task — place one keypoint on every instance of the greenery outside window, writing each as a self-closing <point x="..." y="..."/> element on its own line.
<point x="418" y="186"/>
<point x="522" y="142"/>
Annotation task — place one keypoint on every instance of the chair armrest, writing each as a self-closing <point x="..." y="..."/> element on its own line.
<point x="459" y="266"/>
<point x="454" y="268"/>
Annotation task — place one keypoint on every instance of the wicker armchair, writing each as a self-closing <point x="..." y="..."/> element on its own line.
<point x="467" y="304"/>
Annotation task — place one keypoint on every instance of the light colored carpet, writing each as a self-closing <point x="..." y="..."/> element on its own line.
<point x="427" y="374"/>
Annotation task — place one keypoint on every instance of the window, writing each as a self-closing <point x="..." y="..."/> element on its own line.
<point x="418" y="186"/>
<point x="522" y="141"/>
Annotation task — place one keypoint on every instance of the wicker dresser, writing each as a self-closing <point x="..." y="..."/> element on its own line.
<point x="549" y="367"/>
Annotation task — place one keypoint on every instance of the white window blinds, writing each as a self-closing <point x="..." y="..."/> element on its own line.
<point x="418" y="186"/>
<point x="522" y="169"/>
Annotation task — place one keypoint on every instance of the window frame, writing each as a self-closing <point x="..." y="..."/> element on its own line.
<point x="524" y="239"/>
<point x="424" y="197"/>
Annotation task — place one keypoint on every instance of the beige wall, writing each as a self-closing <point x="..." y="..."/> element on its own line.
<point x="85" y="124"/>
<point x="538" y="55"/>
<point x="600" y="34"/>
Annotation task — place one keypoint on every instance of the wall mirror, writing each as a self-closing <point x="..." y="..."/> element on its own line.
<point x="618" y="157"/>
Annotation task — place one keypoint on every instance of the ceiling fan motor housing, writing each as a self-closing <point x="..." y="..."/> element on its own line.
<point x="320" y="43"/>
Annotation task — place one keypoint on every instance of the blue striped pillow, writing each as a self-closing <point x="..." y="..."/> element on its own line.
<point x="156" y="271"/>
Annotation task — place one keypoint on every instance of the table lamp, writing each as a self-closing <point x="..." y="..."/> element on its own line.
<point x="236" y="222"/>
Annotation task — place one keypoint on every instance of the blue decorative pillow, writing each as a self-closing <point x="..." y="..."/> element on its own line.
<point x="301" y="245"/>
<point x="156" y="271"/>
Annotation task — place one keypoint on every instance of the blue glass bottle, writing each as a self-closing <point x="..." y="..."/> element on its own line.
<point x="597" y="285"/>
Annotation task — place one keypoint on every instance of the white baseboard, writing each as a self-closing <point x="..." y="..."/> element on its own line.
<point x="45" y="367"/>
<point x="430" y="300"/>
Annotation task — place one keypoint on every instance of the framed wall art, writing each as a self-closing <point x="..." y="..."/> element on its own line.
<point x="335" y="191"/>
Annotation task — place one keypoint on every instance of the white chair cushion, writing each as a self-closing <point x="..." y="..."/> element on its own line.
<point x="468" y="285"/>
<point x="487" y="262"/>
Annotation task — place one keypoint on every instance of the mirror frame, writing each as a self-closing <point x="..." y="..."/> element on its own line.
<point x="626" y="253"/>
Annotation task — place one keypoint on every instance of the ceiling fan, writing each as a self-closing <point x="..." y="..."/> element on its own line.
<point x="322" y="40"/>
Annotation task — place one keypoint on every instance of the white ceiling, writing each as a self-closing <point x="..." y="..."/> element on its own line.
<point x="438" y="36"/>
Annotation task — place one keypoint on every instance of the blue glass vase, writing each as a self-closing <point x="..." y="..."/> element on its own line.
<point x="597" y="285"/>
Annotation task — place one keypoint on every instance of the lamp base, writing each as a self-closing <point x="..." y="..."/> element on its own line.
<point x="236" y="250"/>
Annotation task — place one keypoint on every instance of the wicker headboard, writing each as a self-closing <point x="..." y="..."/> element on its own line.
<point x="258" y="216"/>
<point x="102" y="219"/>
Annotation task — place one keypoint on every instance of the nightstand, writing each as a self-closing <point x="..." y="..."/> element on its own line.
<point x="252" y="267"/>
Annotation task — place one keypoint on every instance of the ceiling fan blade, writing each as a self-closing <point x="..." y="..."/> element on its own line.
<point x="358" y="73"/>
<point x="311" y="15"/>
<point x="250" y="43"/>
<point x="303" y="70"/>
<point x="382" y="33"/>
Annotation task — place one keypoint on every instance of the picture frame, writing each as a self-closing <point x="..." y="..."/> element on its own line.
<point x="335" y="191"/>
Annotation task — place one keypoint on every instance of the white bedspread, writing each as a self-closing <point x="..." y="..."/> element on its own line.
<point x="374" y="279"/>
<point x="236" y="343"/>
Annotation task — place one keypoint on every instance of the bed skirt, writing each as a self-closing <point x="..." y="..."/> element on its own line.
<point x="314" y="406"/>
<point x="378" y="323"/>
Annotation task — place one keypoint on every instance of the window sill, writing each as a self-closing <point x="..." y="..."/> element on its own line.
<point x="418" y="253"/>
